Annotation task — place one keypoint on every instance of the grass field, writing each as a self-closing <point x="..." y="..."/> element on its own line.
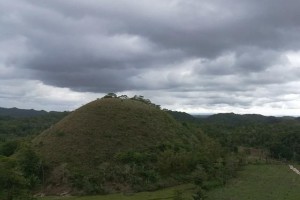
<point x="261" y="182"/>
<point x="157" y="195"/>
<point x="255" y="182"/>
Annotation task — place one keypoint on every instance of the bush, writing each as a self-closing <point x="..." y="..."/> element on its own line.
<point x="200" y="194"/>
<point x="31" y="165"/>
<point x="199" y="175"/>
<point x="9" y="148"/>
<point x="170" y="162"/>
<point x="132" y="157"/>
<point x="89" y="183"/>
<point x="12" y="184"/>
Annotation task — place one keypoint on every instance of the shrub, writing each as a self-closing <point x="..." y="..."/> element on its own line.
<point x="132" y="157"/>
<point x="170" y="162"/>
<point x="200" y="194"/>
<point x="9" y="148"/>
<point x="12" y="184"/>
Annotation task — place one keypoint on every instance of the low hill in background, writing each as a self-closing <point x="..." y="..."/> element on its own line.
<point x="21" y="113"/>
<point x="237" y="119"/>
<point x="279" y="136"/>
<point x="182" y="116"/>
<point x="16" y="126"/>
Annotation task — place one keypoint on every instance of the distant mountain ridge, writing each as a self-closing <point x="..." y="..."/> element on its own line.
<point x="231" y="119"/>
<point x="22" y="113"/>
<point x="182" y="116"/>
<point x="236" y="119"/>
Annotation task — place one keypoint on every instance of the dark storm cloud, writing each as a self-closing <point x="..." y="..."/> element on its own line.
<point x="220" y="46"/>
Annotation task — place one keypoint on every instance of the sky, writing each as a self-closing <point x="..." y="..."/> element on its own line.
<point x="196" y="56"/>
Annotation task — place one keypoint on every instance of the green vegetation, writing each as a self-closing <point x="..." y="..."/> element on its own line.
<point x="21" y="169"/>
<point x="20" y="173"/>
<point x="129" y="146"/>
<point x="163" y="194"/>
<point x="263" y="182"/>
<point x="279" y="136"/>
<point x="12" y="183"/>
<point x="21" y="113"/>
<point x="12" y="128"/>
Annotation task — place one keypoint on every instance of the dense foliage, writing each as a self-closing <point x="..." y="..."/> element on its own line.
<point x="281" y="139"/>
<point x="130" y="144"/>
<point x="20" y="173"/>
<point x="17" y="127"/>
<point x="21" y="169"/>
<point x="280" y="136"/>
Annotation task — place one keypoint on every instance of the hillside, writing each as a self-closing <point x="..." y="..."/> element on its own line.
<point x="182" y="116"/>
<point x="118" y="144"/>
<point x="104" y="127"/>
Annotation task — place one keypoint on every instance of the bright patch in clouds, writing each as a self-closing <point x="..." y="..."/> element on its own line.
<point x="294" y="58"/>
<point x="35" y="94"/>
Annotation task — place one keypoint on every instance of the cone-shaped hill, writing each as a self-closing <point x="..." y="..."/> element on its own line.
<point x="115" y="144"/>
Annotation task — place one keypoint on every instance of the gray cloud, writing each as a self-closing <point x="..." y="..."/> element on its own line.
<point x="222" y="52"/>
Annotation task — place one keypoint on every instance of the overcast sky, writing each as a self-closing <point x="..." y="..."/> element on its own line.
<point x="197" y="56"/>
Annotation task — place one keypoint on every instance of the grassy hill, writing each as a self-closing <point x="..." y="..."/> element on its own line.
<point x="99" y="130"/>
<point x="114" y="144"/>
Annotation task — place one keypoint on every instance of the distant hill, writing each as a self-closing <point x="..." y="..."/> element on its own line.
<point x="229" y="119"/>
<point x="237" y="119"/>
<point x="21" y="113"/>
<point x="182" y="116"/>
<point x="17" y="123"/>
<point x="279" y="135"/>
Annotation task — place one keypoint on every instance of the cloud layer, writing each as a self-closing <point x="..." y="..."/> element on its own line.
<point x="197" y="56"/>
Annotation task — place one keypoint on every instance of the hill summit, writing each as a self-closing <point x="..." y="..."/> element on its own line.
<point x="116" y="144"/>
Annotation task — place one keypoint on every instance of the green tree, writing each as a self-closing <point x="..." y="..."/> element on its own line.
<point x="12" y="184"/>
<point x="8" y="148"/>
<point x="200" y="194"/>
<point x="30" y="165"/>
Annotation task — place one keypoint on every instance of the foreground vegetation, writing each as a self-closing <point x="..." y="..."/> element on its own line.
<point x="128" y="145"/>
<point x="169" y="193"/>
<point x="114" y="145"/>
<point x="263" y="182"/>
